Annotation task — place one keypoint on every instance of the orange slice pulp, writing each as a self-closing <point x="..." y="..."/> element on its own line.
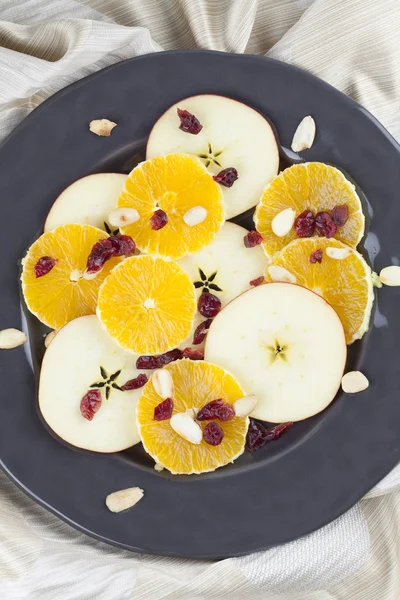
<point x="196" y="383"/>
<point x="174" y="183"/>
<point x="311" y="186"/>
<point x="346" y="283"/>
<point x="147" y="304"/>
<point x="63" y="293"/>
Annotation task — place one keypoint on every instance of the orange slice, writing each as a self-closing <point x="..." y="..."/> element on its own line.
<point x="63" y="294"/>
<point x="174" y="183"/>
<point x="314" y="186"/>
<point x="346" y="283"/>
<point x="195" y="384"/>
<point x="147" y="304"/>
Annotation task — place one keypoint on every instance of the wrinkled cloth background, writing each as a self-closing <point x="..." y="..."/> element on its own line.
<point x="355" y="46"/>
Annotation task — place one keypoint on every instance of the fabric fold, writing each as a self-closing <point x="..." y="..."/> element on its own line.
<point x="355" y="46"/>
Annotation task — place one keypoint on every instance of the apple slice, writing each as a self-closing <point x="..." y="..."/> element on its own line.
<point x="88" y="200"/>
<point x="83" y="354"/>
<point x="232" y="135"/>
<point x="225" y="267"/>
<point x="284" y="344"/>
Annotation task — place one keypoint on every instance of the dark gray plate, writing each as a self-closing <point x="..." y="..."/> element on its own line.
<point x="290" y="487"/>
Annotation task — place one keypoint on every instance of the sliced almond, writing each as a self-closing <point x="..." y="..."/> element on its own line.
<point x="245" y="406"/>
<point x="195" y="215"/>
<point x="11" y="338"/>
<point x="338" y="253"/>
<point x="390" y="275"/>
<point x="158" y="467"/>
<point x="163" y="383"/>
<point x="281" y="274"/>
<point x="124" y="499"/>
<point x="354" y="382"/>
<point x="120" y="217"/>
<point x="376" y="281"/>
<point x="184" y="425"/>
<point x="50" y="337"/>
<point x="304" y="135"/>
<point x="102" y="127"/>
<point x="282" y="223"/>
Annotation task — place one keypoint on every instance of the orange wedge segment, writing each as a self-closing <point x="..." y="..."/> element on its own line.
<point x="174" y="183"/>
<point x="147" y="304"/>
<point x="311" y="186"/>
<point x="346" y="283"/>
<point x="63" y="293"/>
<point x="196" y="383"/>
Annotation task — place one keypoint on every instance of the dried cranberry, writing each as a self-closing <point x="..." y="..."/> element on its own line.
<point x="170" y="356"/>
<point x="201" y="331"/>
<point x="255" y="435"/>
<point x="209" y="305"/>
<point x="216" y="409"/>
<point x="274" y="433"/>
<point x="90" y="404"/>
<point x="258" y="434"/>
<point x="102" y="251"/>
<point x="193" y="354"/>
<point x="123" y="245"/>
<point x="316" y="256"/>
<point x="158" y="220"/>
<point x="44" y="265"/>
<point x="189" y="123"/>
<point x="148" y="362"/>
<point x="164" y="410"/>
<point x="324" y="224"/>
<point x="258" y="281"/>
<point x="136" y="383"/>
<point x="304" y="225"/>
<point x="213" y="434"/>
<point x="156" y="362"/>
<point x="227" y="177"/>
<point x="340" y="214"/>
<point x="253" y="238"/>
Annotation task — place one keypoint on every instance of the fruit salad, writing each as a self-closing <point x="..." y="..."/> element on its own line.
<point x="175" y="328"/>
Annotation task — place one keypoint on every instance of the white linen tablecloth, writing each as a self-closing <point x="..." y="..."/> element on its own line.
<point x="355" y="46"/>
